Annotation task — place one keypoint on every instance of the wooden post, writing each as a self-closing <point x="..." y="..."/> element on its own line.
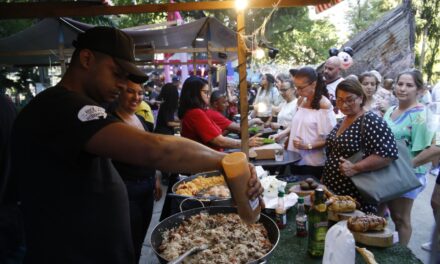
<point x="62" y="58"/>
<point x="242" y="83"/>
<point x="61" y="50"/>
<point x="194" y="63"/>
<point x="209" y="66"/>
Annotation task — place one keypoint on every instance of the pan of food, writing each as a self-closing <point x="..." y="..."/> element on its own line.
<point x="219" y="230"/>
<point x="207" y="187"/>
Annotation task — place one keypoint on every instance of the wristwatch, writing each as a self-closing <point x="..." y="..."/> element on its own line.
<point x="281" y="127"/>
<point x="309" y="146"/>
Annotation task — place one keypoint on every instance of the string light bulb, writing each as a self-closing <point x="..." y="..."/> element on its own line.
<point x="259" y="54"/>
<point x="240" y="5"/>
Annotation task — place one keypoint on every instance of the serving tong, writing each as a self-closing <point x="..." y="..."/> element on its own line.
<point x="189" y="252"/>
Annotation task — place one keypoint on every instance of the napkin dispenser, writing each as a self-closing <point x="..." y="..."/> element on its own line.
<point x="266" y="151"/>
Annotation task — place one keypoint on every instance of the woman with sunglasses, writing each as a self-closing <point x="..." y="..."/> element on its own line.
<point x="312" y="122"/>
<point x="196" y="124"/>
<point x="357" y="130"/>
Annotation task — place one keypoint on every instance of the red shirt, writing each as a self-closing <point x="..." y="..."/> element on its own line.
<point x="196" y="125"/>
<point x="220" y="120"/>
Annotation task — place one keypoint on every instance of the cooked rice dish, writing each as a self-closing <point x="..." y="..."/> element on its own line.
<point x="229" y="240"/>
<point x="192" y="188"/>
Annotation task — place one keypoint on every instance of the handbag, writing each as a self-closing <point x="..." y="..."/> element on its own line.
<point x="386" y="183"/>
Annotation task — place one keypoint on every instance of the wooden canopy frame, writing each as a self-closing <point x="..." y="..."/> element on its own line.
<point x="72" y="9"/>
<point x="81" y="9"/>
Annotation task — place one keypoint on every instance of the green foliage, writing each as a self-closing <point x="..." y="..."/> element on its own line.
<point x="5" y="82"/>
<point x="25" y="75"/>
<point x="299" y="39"/>
<point x="98" y="21"/>
<point x="9" y="27"/>
<point x="363" y="13"/>
<point x="428" y="22"/>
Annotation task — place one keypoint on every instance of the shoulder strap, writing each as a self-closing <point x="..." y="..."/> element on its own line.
<point x="363" y="132"/>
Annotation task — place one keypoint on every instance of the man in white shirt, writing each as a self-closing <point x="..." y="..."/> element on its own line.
<point x="332" y="74"/>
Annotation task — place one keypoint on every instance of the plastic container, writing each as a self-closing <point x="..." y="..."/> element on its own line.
<point x="237" y="176"/>
<point x="280" y="211"/>
<point x="301" y="219"/>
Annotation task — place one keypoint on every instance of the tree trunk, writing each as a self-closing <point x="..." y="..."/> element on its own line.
<point x="422" y="53"/>
<point x="431" y="59"/>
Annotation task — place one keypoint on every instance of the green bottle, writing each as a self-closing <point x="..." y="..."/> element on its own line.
<point x="318" y="225"/>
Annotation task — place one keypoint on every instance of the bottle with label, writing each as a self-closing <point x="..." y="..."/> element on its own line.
<point x="237" y="176"/>
<point x="301" y="219"/>
<point x="318" y="225"/>
<point x="280" y="211"/>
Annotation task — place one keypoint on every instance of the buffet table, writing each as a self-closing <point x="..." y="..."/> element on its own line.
<point x="290" y="157"/>
<point x="293" y="249"/>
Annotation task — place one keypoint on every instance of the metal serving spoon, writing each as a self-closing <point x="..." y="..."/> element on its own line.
<point x="191" y="251"/>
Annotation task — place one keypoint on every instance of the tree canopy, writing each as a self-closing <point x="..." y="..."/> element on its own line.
<point x="427" y="12"/>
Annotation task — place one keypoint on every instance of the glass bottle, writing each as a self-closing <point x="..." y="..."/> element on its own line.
<point x="318" y="225"/>
<point x="280" y="211"/>
<point x="301" y="219"/>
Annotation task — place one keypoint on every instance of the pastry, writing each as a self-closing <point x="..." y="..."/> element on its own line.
<point x="342" y="204"/>
<point x="308" y="184"/>
<point x="309" y="180"/>
<point x="304" y="186"/>
<point x="366" y="223"/>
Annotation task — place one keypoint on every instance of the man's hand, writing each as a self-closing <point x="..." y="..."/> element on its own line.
<point x="256" y="141"/>
<point x="347" y="168"/>
<point x="255" y="188"/>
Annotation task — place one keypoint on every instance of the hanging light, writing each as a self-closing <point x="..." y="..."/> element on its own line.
<point x="259" y="53"/>
<point x="261" y="107"/>
<point x="241" y="4"/>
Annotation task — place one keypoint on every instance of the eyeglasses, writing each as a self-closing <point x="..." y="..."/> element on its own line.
<point x="347" y="101"/>
<point x="284" y="90"/>
<point x="206" y="92"/>
<point x="303" y="87"/>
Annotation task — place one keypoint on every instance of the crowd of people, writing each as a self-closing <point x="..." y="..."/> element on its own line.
<point x="86" y="175"/>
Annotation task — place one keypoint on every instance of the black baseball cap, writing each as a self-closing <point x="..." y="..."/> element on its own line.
<point x="115" y="43"/>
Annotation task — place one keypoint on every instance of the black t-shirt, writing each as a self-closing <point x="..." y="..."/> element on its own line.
<point x="75" y="203"/>
<point x="7" y="116"/>
<point x="164" y="116"/>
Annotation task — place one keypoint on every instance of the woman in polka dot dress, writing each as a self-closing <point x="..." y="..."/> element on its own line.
<point x="346" y="139"/>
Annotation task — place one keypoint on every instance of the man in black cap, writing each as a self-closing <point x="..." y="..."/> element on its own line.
<point x="75" y="204"/>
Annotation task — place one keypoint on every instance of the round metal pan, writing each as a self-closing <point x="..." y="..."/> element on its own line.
<point x="175" y="220"/>
<point x="208" y="201"/>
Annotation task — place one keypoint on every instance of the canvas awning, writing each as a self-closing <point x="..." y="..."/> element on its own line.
<point x="44" y="42"/>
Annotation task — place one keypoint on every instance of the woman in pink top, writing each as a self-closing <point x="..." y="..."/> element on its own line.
<point x="313" y="121"/>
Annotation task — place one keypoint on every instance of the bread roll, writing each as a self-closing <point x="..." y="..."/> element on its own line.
<point x="366" y="223"/>
<point x="342" y="204"/>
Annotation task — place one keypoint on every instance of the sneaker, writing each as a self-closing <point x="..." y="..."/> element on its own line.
<point x="426" y="246"/>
